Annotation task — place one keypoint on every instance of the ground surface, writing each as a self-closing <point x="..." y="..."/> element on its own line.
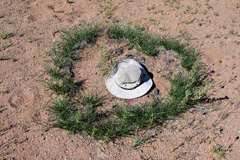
<point x="212" y="26"/>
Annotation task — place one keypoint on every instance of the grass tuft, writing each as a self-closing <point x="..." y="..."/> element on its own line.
<point x="220" y="150"/>
<point x="4" y="34"/>
<point x="81" y="115"/>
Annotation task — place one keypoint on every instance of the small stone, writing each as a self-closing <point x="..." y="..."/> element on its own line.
<point x="99" y="64"/>
<point x="87" y="108"/>
<point x="67" y="63"/>
<point x="43" y="138"/>
<point x="158" y="70"/>
<point x="160" y="50"/>
<point x="178" y="57"/>
<point x="142" y="60"/>
<point x="100" y="154"/>
<point x="73" y="52"/>
<point x="120" y="40"/>
<point x="129" y="55"/>
<point x="169" y="75"/>
<point x="171" y="53"/>
<point x="80" y="45"/>
<point x="156" y="91"/>
<point x="118" y="52"/>
<point x="1" y="16"/>
<point x="169" y="60"/>
<point x="178" y="73"/>
<point x="204" y="113"/>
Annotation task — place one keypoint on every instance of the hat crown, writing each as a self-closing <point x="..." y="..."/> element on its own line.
<point x="127" y="81"/>
<point x="128" y="76"/>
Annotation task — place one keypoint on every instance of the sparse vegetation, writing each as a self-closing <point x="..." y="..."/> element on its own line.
<point x="13" y="59"/>
<point x="30" y="38"/>
<point x="220" y="150"/>
<point x="185" y="35"/>
<point x="237" y="42"/>
<point x="141" y="139"/>
<point x="4" y="34"/>
<point x="107" y="60"/>
<point x="3" y="91"/>
<point x="216" y="14"/>
<point x="8" y="43"/>
<point x="205" y="12"/>
<point x="231" y="32"/>
<point x="151" y="7"/>
<point x="107" y="8"/>
<point x="207" y="35"/>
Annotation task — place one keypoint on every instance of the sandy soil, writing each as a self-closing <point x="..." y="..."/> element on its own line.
<point x="213" y="27"/>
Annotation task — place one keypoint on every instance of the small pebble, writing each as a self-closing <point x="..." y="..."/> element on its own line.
<point x="80" y="45"/>
<point x="142" y="60"/>
<point x="100" y="154"/>
<point x="204" y="113"/>
<point x="129" y="55"/>
<point x="156" y="91"/>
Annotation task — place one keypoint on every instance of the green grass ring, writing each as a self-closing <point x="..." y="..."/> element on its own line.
<point x="185" y="91"/>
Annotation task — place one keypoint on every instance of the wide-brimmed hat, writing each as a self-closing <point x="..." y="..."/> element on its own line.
<point x="128" y="80"/>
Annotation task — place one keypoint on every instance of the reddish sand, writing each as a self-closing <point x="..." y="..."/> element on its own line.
<point x="213" y="27"/>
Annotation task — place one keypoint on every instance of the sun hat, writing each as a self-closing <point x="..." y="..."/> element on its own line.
<point x="128" y="80"/>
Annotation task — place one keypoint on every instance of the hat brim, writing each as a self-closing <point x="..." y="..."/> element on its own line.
<point x="119" y="92"/>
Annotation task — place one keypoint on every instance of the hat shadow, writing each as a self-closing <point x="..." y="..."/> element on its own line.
<point x="151" y="76"/>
